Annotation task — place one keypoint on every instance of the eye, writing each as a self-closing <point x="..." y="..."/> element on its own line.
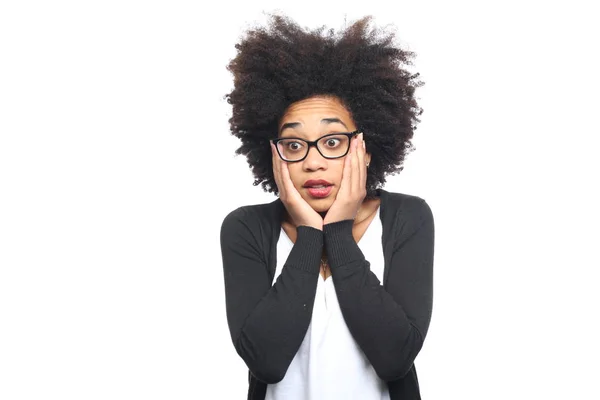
<point x="332" y="142"/>
<point x="293" y="145"/>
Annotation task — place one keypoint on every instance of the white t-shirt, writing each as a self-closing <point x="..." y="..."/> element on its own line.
<point x="329" y="364"/>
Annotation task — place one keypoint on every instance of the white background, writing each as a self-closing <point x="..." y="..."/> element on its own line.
<point x="117" y="169"/>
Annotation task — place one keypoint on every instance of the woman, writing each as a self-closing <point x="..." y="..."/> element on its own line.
<point x="329" y="288"/>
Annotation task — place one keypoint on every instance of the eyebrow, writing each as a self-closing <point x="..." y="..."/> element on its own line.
<point x="323" y="121"/>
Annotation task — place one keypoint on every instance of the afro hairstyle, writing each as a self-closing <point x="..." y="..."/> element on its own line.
<point x="282" y="63"/>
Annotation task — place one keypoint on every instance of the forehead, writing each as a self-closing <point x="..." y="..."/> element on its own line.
<point x="313" y="110"/>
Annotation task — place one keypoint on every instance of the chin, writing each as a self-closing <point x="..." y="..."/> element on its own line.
<point x="320" y="205"/>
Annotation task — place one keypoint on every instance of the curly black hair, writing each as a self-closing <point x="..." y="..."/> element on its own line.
<point x="282" y="63"/>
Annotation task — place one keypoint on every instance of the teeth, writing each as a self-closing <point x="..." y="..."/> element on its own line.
<point x="318" y="187"/>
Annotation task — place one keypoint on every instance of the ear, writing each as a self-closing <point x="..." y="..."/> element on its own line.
<point x="368" y="158"/>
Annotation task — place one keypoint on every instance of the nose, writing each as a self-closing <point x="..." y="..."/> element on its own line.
<point x="314" y="160"/>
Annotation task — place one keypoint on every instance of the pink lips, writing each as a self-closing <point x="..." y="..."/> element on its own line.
<point x="318" y="188"/>
<point x="320" y="192"/>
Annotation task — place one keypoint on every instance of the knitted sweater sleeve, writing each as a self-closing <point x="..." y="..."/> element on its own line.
<point x="389" y="324"/>
<point x="267" y="322"/>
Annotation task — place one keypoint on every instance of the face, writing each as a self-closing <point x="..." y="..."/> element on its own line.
<point x="309" y="120"/>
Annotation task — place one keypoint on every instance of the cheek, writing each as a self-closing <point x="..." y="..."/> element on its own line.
<point x="296" y="174"/>
<point x="337" y="169"/>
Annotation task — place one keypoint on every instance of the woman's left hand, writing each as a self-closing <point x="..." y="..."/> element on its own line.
<point x="353" y="188"/>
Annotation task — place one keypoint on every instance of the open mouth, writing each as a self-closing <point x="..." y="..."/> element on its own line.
<point x="319" y="191"/>
<point x="318" y="188"/>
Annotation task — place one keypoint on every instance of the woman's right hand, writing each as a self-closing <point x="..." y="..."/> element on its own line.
<point x="298" y="209"/>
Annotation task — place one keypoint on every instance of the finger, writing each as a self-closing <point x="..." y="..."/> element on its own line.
<point x="290" y="189"/>
<point x="364" y="168"/>
<point x="277" y="170"/>
<point x="285" y="177"/>
<point x="347" y="171"/>
<point x="354" y="164"/>
<point x="275" y="164"/>
<point x="361" y="162"/>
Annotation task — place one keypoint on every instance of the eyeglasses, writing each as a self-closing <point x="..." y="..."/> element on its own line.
<point x="331" y="146"/>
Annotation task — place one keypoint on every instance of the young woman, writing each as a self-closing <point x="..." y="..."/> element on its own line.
<point x="329" y="288"/>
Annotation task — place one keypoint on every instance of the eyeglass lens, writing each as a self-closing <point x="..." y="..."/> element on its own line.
<point x="330" y="146"/>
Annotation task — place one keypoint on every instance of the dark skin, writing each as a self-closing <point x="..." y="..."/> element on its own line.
<point x="311" y="119"/>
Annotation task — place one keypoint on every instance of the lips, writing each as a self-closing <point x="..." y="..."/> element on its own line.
<point x="312" y="183"/>
<point x="318" y="188"/>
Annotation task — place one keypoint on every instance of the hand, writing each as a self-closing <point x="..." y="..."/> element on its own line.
<point x="353" y="188"/>
<point x="298" y="209"/>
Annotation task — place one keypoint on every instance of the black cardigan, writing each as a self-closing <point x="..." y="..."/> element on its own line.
<point x="268" y="321"/>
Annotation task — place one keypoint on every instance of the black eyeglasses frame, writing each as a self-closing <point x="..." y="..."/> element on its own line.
<point x="314" y="143"/>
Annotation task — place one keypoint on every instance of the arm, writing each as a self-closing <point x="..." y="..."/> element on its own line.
<point x="268" y="323"/>
<point x="389" y="325"/>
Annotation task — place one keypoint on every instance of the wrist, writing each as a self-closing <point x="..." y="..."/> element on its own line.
<point x="340" y="244"/>
<point x="313" y="224"/>
<point x="307" y="249"/>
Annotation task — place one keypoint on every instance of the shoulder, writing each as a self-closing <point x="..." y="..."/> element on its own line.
<point x="408" y="212"/>
<point x="249" y="217"/>
<point x="407" y="204"/>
